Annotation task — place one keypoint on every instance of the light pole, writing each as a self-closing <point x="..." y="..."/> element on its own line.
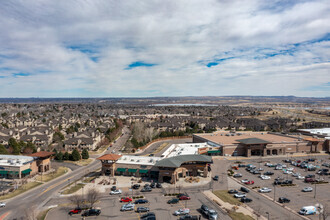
<point x="274" y="190"/>
<point x="267" y="215"/>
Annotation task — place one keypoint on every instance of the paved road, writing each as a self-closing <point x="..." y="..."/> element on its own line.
<point x="19" y="206"/>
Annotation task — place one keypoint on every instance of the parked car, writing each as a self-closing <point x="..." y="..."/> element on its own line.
<point x="246" y="200"/>
<point x="310" y="180"/>
<point x="126" y="199"/>
<point x="116" y="192"/>
<point x="249" y="182"/>
<point x="232" y="191"/>
<point x="113" y="188"/>
<point x="181" y="212"/>
<point x="236" y="175"/>
<point x="300" y="177"/>
<point x="245" y="181"/>
<point x="212" y="214"/>
<point x="239" y="195"/>
<point x="241" y="165"/>
<point x="92" y="212"/>
<point x="264" y="177"/>
<point x="189" y="217"/>
<point x="127" y="207"/>
<point x="2" y="204"/>
<point x="308" y="210"/>
<point x="244" y="189"/>
<point x="264" y="190"/>
<point x="153" y="185"/>
<point x="216" y="178"/>
<point x="71" y="212"/>
<point x="141" y="201"/>
<point x="158" y="185"/>
<point x="283" y="200"/>
<point x="142" y="209"/>
<point x="173" y="201"/>
<point x="287" y="182"/>
<point x="146" y="189"/>
<point x="204" y="209"/>
<point x="268" y="173"/>
<point x="136" y="186"/>
<point x="184" y="198"/>
<point x="307" y="189"/>
<point x="148" y="215"/>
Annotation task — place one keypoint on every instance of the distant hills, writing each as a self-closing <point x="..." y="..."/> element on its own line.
<point x="219" y="100"/>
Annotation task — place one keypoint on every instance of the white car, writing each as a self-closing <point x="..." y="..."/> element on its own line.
<point x="245" y="181"/>
<point x="296" y="174"/>
<point x="307" y="189"/>
<point x="2" y="204"/>
<point x="182" y="212"/>
<point x="290" y="168"/>
<point x="264" y="190"/>
<point x="264" y="177"/>
<point x="239" y="195"/>
<point x="300" y="177"/>
<point x="287" y="172"/>
<point x="116" y="192"/>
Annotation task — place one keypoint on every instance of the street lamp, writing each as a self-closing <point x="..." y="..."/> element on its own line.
<point x="267" y="215"/>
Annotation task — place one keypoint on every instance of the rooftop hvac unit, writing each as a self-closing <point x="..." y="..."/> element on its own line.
<point x="151" y="160"/>
<point x="138" y="161"/>
<point x="132" y="159"/>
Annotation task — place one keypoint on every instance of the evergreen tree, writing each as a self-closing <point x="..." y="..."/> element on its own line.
<point x="66" y="156"/>
<point x="84" y="154"/>
<point x="16" y="149"/>
<point x="75" y="155"/>
<point x="59" y="156"/>
<point x="3" y="150"/>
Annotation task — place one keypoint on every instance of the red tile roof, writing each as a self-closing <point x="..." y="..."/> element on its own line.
<point x="42" y="154"/>
<point x="109" y="157"/>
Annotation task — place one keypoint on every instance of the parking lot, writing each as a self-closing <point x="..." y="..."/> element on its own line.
<point x="294" y="193"/>
<point x="110" y="207"/>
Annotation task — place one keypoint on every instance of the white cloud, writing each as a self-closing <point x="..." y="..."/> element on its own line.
<point x="274" y="48"/>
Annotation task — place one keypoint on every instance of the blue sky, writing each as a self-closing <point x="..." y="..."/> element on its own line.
<point x="108" y="48"/>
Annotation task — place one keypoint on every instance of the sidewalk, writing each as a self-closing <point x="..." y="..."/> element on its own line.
<point x="225" y="205"/>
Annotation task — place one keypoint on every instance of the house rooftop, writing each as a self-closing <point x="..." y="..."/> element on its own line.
<point x="112" y="157"/>
<point x="42" y="154"/>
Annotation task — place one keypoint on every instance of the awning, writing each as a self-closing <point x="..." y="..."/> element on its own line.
<point x="26" y="171"/>
<point x="143" y="171"/>
<point x="214" y="152"/>
<point x="13" y="172"/>
<point x="121" y="169"/>
<point x="3" y="172"/>
<point x="132" y="170"/>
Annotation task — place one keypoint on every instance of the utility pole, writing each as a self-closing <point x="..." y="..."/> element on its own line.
<point x="274" y="191"/>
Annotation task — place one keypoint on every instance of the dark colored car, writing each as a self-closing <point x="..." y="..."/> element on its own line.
<point x="173" y="201"/>
<point x="244" y="189"/>
<point x="216" y="178"/>
<point x="142" y="209"/>
<point x="136" y="186"/>
<point x="158" y="185"/>
<point x="113" y="188"/>
<point x="146" y="189"/>
<point x="146" y="185"/>
<point x="75" y="211"/>
<point x="310" y="180"/>
<point x="91" y="212"/>
<point x="241" y="165"/>
<point x="256" y="172"/>
<point x="184" y="198"/>
<point x="232" y="191"/>
<point x="204" y="209"/>
<point x="310" y="176"/>
<point x="268" y="173"/>
<point x="149" y="216"/>
<point x="283" y="200"/>
<point x="141" y="201"/>
<point x="246" y="200"/>
<point x="287" y="182"/>
<point x="237" y="175"/>
<point x="153" y="185"/>
<point x="311" y="159"/>
<point x="189" y="217"/>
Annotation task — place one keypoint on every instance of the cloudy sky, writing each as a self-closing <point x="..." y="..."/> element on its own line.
<point x="129" y="48"/>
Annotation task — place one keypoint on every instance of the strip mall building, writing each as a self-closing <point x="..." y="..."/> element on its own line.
<point x="262" y="143"/>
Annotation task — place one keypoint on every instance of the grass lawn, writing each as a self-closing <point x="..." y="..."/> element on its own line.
<point x="89" y="179"/>
<point x="73" y="189"/>
<point x="226" y="197"/>
<point x="82" y="162"/>
<point x="59" y="172"/>
<point x="42" y="215"/>
<point x="20" y="190"/>
<point x="239" y="216"/>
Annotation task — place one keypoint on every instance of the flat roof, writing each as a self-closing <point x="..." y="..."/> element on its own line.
<point x="138" y="160"/>
<point x="183" y="149"/>
<point x="227" y="138"/>
<point x="318" y="131"/>
<point x="14" y="160"/>
<point x="178" y="160"/>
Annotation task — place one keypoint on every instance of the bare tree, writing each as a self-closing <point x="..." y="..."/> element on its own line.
<point x="92" y="196"/>
<point x="78" y="200"/>
<point x="325" y="212"/>
<point x="149" y="133"/>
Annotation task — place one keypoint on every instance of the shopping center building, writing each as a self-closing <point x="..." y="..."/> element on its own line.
<point x="261" y="143"/>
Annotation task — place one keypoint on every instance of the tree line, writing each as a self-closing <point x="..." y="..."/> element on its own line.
<point x="74" y="156"/>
